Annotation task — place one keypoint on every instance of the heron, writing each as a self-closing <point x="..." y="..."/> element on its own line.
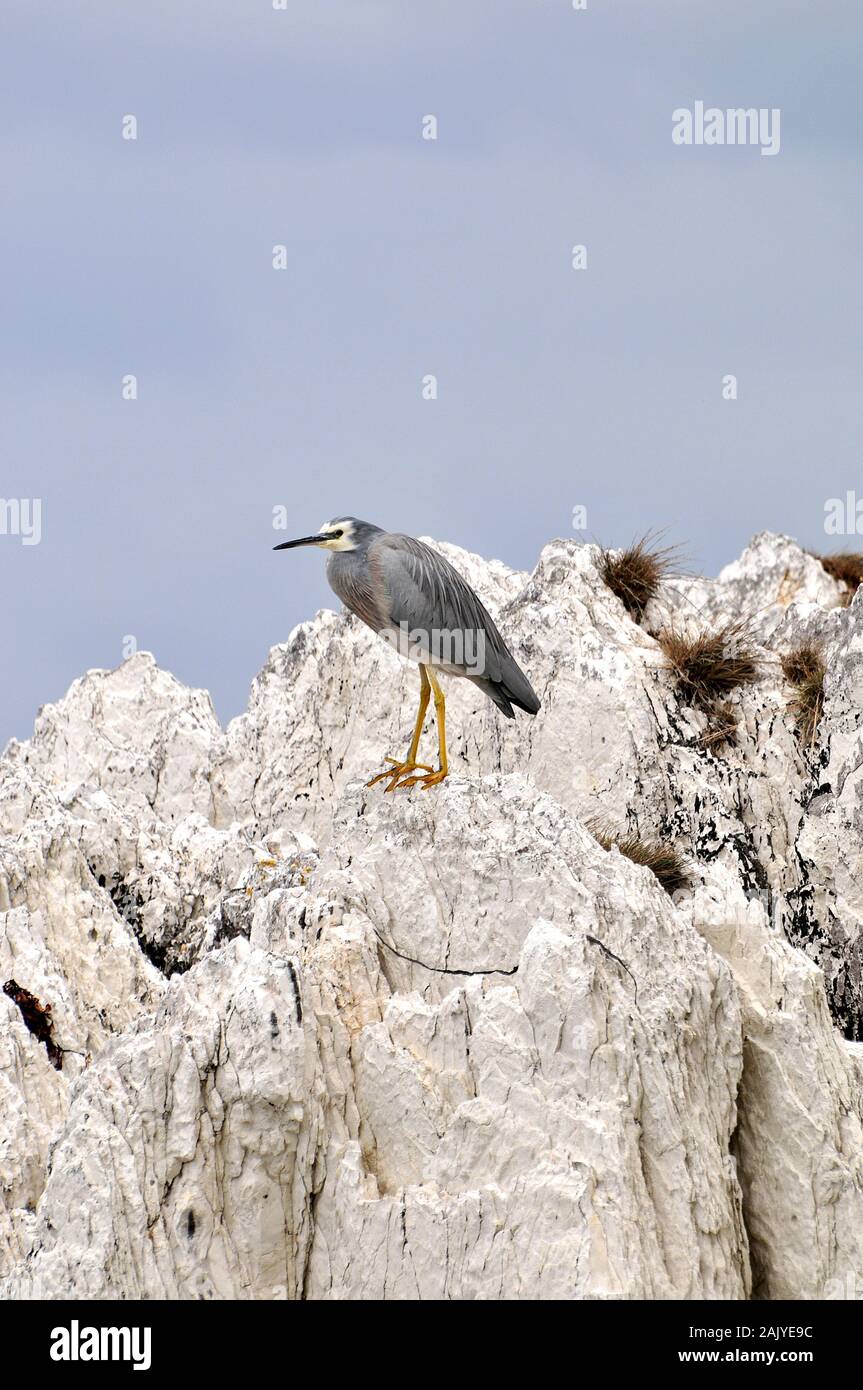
<point x="418" y="602"/>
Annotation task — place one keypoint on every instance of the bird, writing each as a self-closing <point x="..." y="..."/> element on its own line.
<point x="418" y="602"/>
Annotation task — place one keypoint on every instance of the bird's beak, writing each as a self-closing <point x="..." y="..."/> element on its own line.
<point x="304" y="540"/>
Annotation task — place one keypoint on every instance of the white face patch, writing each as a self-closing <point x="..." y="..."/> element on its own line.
<point x="337" y="542"/>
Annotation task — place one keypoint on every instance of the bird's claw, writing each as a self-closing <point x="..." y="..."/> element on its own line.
<point x="397" y="772"/>
<point x="431" y="780"/>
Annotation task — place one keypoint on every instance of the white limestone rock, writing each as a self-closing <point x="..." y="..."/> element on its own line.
<point x="799" y="1143"/>
<point x="829" y="905"/>
<point x="772" y="573"/>
<point x="572" y="1110"/>
<point x="136" y="732"/>
<point x="323" y="1042"/>
<point x="63" y="942"/>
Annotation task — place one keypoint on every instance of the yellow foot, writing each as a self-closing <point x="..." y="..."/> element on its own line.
<point x="426" y="782"/>
<point x="397" y="771"/>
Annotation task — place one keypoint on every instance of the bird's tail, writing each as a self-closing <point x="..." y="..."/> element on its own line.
<point x="513" y="688"/>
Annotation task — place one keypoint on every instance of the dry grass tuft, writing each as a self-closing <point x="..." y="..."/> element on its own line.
<point x="846" y="568"/>
<point x="710" y="664"/>
<point x="663" y="860"/>
<point x="636" y="573"/>
<point x="721" y="732"/>
<point x="805" y="668"/>
<point x="802" y="662"/>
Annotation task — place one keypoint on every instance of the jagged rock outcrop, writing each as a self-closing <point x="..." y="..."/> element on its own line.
<point x="322" y="1042"/>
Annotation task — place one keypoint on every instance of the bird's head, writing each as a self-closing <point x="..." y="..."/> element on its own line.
<point x="344" y="533"/>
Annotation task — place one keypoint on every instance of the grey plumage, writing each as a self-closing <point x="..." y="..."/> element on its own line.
<point x="393" y="582"/>
<point x="414" y="598"/>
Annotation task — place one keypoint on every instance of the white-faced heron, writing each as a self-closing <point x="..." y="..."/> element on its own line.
<point x="413" y="598"/>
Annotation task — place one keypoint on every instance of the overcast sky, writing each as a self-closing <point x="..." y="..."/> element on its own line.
<point x="301" y="387"/>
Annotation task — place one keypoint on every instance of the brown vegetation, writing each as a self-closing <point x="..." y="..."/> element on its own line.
<point x="804" y="667"/>
<point x="846" y="568"/>
<point x="636" y="573"/>
<point x="709" y="664"/>
<point x="663" y="860"/>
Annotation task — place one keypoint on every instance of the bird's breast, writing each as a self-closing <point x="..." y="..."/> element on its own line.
<point x="360" y="589"/>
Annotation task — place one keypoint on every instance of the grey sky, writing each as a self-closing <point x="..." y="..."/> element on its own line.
<point x="302" y="387"/>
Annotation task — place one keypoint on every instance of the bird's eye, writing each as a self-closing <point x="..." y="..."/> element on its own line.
<point x="335" y="535"/>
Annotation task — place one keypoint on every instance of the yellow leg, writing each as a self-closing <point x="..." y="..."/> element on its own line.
<point x="410" y="764"/>
<point x="440" y="711"/>
<point x="425" y="692"/>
